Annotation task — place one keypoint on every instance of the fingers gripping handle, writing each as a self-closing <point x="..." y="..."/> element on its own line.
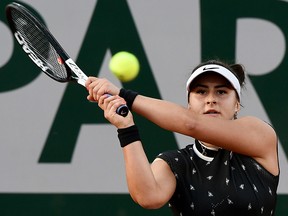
<point x="122" y="109"/>
<point x="82" y="78"/>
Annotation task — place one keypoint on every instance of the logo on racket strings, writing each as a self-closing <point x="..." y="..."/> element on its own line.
<point x="29" y="52"/>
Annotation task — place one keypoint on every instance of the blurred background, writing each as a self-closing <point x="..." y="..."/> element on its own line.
<point x="59" y="156"/>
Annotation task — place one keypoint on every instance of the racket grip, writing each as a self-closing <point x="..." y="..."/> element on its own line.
<point x="122" y="110"/>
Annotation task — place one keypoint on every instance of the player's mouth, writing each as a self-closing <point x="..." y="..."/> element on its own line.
<point x="212" y="112"/>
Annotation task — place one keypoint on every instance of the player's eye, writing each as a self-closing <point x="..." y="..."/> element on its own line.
<point x="221" y="92"/>
<point x="201" y="91"/>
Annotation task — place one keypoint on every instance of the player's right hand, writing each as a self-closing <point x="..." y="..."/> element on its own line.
<point x="98" y="87"/>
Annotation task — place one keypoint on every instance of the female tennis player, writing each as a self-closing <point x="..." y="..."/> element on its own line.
<point x="231" y="169"/>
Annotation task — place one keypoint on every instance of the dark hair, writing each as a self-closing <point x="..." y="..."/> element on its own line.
<point x="237" y="69"/>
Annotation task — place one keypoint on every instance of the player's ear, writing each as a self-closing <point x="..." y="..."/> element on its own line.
<point x="238" y="106"/>
<point x="237" y="109"/>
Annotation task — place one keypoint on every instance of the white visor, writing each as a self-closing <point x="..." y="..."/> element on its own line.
<point x="217" y="69"/>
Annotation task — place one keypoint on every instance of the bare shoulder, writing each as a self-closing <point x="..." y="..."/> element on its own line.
<point x="163" y="173"/>
<point x="261" y="133"/>
<point x="253" y="119"/>
<point x="267" y="154"/>
<point x="160" y="165"/>
<point x="252" y="136"/>
<point x="165" y="180"/>
<point x="258" y="124"/>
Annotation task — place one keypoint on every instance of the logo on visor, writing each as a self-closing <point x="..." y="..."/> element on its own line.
<point x="211" y="68"/>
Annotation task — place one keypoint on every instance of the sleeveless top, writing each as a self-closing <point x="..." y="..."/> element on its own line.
<point x="229" y="184"/>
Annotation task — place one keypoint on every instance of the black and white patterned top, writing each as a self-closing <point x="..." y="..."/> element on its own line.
<point x="229" y="184"/>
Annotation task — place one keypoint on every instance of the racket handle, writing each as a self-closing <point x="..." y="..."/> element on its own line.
<point x="122" y="110"/>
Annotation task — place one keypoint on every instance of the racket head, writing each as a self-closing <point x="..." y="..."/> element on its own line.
<point x="38" y="43"/>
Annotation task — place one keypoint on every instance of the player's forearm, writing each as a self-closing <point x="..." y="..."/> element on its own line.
<point x="140" y="179"/>
<point x="165" y="114"/>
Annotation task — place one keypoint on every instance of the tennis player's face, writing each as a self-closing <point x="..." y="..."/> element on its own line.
<point x="212" y="95"/>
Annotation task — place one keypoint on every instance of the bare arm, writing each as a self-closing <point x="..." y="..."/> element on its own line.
<point x="248" y="135"/>
<point x="151" y="186"/>
<point x="228" y="134"/>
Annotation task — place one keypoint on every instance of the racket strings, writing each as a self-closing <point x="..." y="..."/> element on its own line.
<point x="40" y="46"/>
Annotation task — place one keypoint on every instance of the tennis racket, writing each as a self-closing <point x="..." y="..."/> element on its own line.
<point x="44" y="50"/>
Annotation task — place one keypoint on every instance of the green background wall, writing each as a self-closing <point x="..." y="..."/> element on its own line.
<point x="59" y="156"/>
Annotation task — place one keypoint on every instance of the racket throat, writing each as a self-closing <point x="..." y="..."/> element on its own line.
<point x="79" y="81"/>
<point x="81" y="76"/>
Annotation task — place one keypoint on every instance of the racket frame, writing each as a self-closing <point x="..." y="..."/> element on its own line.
<point x="71" y="67"/>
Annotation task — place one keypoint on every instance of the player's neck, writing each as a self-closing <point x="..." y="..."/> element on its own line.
<point x="209" y="146"/>
<point x="204" y="152"/>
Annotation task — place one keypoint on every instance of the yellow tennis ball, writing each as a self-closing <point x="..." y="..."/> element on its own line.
<point x="125" y="66"/>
